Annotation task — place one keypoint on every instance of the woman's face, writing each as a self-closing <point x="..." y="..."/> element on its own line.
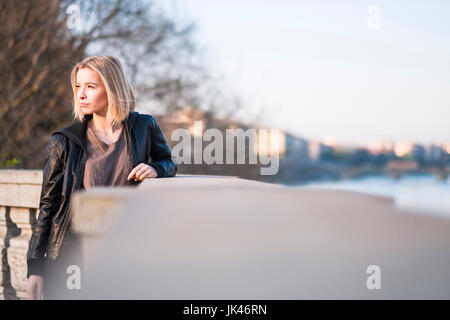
<point x="91" y="93"/>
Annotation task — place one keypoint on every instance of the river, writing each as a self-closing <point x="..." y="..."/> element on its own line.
<point x="419" y="191"/>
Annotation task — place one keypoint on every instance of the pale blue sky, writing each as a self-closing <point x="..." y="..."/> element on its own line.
<point x="318" y="70"/>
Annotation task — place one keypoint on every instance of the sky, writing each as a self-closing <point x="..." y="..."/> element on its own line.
<point x="348" y="71"/>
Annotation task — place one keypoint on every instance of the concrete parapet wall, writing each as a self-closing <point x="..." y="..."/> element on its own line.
<point x="194" y="238"/>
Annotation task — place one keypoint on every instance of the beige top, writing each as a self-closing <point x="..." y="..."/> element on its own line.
<point x="107" y="164"/>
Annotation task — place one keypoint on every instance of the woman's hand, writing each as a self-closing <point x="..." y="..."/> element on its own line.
<point x="35" y="285"/>
<point x="142" y="171"/>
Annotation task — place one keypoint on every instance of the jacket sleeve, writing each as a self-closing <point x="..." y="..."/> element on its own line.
<point x="161" y="156"/>
<point x="50" y="199"/>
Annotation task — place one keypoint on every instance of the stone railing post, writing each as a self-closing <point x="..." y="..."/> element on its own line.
<point x="19" y="201"/>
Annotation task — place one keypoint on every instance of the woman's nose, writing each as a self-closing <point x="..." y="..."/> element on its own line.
<point x="81" y="94"/>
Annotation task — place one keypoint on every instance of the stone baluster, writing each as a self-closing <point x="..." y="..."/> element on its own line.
<point x="19" y="201"/>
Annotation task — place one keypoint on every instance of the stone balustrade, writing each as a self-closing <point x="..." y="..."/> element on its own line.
<point x="19" y="201"/>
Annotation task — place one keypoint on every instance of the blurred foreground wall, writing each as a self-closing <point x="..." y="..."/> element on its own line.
<point x="213" y="237"/>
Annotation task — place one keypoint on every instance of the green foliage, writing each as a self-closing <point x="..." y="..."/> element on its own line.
<point x="336" y="155"/>
<point x="6" y="163"/>
<point x="408" y="157"/>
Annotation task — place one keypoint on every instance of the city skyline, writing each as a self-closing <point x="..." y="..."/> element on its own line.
<point x="357" y="72"/>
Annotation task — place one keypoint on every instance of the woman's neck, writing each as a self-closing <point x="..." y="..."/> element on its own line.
<point x="100" y="123"/>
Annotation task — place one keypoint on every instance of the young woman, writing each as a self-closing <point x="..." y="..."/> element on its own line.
<point x="107" y="145"/>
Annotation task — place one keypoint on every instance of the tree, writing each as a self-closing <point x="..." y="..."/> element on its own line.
<point x="43" y="39"/>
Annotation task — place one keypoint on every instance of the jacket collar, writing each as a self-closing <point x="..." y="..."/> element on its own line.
<point x="77" y="131"/>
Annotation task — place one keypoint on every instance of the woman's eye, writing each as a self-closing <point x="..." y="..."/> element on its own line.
<point x="90" y="87"/>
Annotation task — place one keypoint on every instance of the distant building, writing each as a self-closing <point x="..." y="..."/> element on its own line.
<point x="360" y="156"/>
<point x="433" y="155"/>
<point x="381" y="146"/>
<point x="418" y="154"/>
<point x="296" y="149"/>
<point x="317" y="149"/>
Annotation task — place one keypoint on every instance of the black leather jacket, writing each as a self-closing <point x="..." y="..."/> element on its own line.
<point x="63" y="175"/>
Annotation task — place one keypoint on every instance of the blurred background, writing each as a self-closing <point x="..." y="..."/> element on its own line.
<point x="358" y="89"/>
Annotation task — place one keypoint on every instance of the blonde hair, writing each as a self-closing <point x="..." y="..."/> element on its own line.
<point x="120" y="94"/>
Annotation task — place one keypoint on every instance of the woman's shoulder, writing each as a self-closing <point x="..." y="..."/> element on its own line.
<point x="144" y="118"/>
<point x="57" y="144"/>
<point x="75" y="132"/>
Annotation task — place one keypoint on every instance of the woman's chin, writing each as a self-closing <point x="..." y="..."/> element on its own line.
<point x="86" y="110"/>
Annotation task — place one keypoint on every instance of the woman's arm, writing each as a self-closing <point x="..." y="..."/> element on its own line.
<point x="160" y="152"/>
<point x="53" y="177"/>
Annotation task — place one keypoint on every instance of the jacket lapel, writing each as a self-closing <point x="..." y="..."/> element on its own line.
<point x="77" y="131"/>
